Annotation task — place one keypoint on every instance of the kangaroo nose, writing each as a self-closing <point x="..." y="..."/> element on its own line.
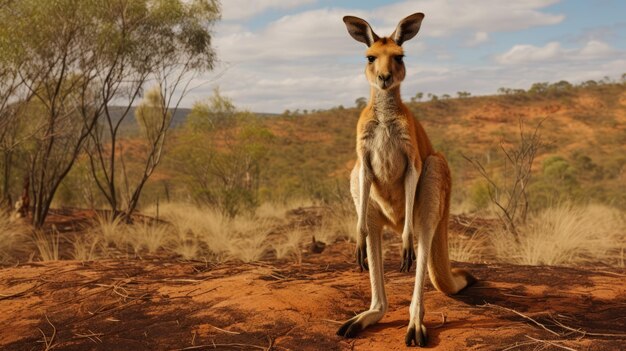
<point x="384" y="77"/>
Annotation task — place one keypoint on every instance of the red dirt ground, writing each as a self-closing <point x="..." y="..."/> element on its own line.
<point x="164" y="304"/>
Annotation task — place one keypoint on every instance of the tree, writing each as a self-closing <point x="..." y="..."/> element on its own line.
<point x="165" y="44"/>
<point x="14" y="134"/>
<point x="84" y="56"/>
<point x="505" y="91"/>
<point x="59" y="68"/>
<point x="539" y="88"/>
<point x="360" y="103"/>
<point x="220" y="154"/>
<point x="9" y="86"/>
<point x="589" y="83"/>
<point x="418" y="97"/>
<point x="560" y="87"/>
<point x="510" y="191"/>
<point x="13" y="96"/>
<point x="463" y="94"/>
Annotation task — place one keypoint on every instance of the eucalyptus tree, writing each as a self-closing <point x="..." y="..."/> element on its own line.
<point x="163" y="44"/>
<point x="81" y="57"/>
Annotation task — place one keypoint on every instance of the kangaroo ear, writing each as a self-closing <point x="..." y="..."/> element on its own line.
<point x="360" y="30"/>
<point x="407" y="28"/>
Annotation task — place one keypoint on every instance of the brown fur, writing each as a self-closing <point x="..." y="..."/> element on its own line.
<point x="418" y="146"/>
<point x="397" y="171"/>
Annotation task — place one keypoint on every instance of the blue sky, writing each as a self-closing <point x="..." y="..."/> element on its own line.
<point x="296" y="54"/>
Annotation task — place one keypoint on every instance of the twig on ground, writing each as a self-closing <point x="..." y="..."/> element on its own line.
<point x="271" y="343"/>
<point x="552" y="343"/>
<point x="611" y="273"/>
<point x="332" y="321"/>
<point x="584" y="332"/>
<point x="215" y="346"/>
<point x="443" y="320"/>
<point x="17" y="294"/>
<point x="512" y="347"/>
<point x="581" y="332"/>
<point x="48" y="343"/>
<point x="94" y="337"/>
<point x="224" y="330"/>
<point x="534" y="321"/>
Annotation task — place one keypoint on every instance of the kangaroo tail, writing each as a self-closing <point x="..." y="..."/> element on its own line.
<point x="444" y="278"/>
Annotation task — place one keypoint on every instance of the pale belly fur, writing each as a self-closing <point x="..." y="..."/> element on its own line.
<point x="388" y="160"/>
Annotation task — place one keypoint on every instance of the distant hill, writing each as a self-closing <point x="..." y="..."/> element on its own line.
<point x="584" y="128"/>
<point x="129" y="125"/>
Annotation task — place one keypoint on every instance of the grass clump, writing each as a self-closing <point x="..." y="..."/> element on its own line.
<point x="470" y="249"/>
<point x="566" y="235"/>
<point x="47" y="245"/>
<point x="87" y="248"/>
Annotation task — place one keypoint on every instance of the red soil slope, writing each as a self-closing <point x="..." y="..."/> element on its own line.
<point x="163" y="304"/>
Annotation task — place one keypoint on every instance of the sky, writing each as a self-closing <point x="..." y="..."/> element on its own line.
<point x="276" y="55"/>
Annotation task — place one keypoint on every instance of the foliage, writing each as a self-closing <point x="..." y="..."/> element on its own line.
<point x="152" y="115"/>
<point x="104" y="51"/>
<point x="219" y="154"/>
<point x="360" y="103"/>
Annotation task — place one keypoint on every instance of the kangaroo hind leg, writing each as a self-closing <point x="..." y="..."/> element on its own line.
<point x="378" y="306"/>
<point x="429" y="213"/>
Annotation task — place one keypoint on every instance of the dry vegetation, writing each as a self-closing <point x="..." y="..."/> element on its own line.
<point x="566" y="235"/>
<point x="181" y="230"/>
<point x="221" y="187"/>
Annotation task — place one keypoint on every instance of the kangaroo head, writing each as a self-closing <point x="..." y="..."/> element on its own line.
<point x="384" y="68"/>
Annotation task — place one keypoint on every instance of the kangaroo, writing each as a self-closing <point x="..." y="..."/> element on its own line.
<point x="399" y="181"/>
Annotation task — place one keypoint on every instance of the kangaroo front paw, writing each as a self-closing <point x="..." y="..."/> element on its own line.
<point x="361" y="255"/>
<point x="351" y="328"/>
<point x="416" y="336"/>
<point x="408" y="256"/>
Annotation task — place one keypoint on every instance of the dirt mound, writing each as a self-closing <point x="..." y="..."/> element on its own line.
<point x="163" y="304"/>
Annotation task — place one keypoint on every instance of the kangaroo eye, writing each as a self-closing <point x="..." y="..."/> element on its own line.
<point x="399" y="58"/>
<point x="371" y="59"/>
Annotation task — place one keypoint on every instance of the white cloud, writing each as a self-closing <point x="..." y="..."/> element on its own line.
<point x="307" y="60"/>
<point x="596" y="48"/>
<point x="554" y="51"/>
<point x="303" y="35"/>
<point x="530" y="53"/>
<point x="478" y="38"/>
<point x="321" y="32"/>
<point x="444" y="18"/>
<point x="245" y="9"/>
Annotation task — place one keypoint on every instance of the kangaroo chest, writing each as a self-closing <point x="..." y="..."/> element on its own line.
<point x="386" y="144"/>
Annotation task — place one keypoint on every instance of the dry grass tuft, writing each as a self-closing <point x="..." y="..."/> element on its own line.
<point x="566" y="235"/>
<point x="287" y="246"/>
<point x="147" y="237"/>
<point x="47" y="245"/>
<point x="109" y="229"/>
<point x="470" y="249"/>
<point x="87" y="247"/>
<point x="204" y="233"/>
<point x="336" y="226"/>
